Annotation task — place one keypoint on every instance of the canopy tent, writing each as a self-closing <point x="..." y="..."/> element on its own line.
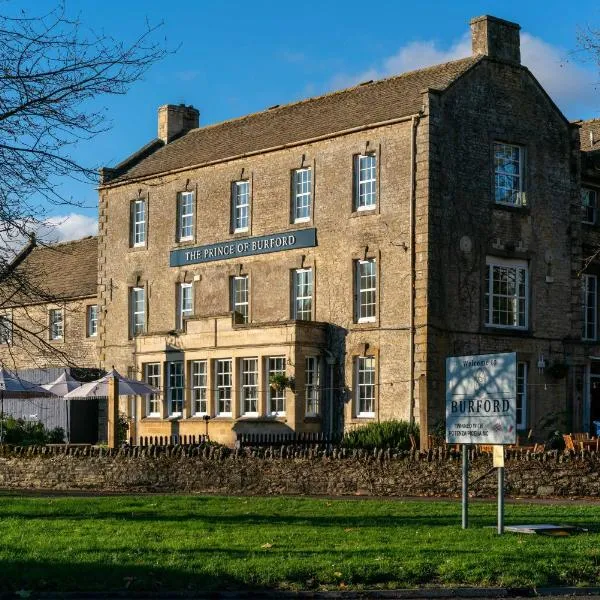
<point x="99" y="387"/>
<point x="62" y="385"/>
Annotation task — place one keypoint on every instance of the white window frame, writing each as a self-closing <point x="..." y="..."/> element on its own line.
<point x="6" y="329"/>
<point x="249" y="387"/>
<point x="303" y="292"/>
<point x="302" y="194"/>
<point x="516" y="194"/>
<point x="137" y="317"/>
<point x="199" y="374"/>
<point x="175" y="388"/>
<point x="493" y="262"/>
<point x="365" y="379"/>
<point x="185" y="216"/>
<point x="365" y="181"/>
<point x="521" y="401"/>
<point x="589" y="205"/>
<point x="589" y="302"/>
<point x="360" y="292"/>
<point x="240" y="298"/>
<point x="275" y="398"/>
<point x="312" y="386"/>
<point x="92" y="320"/>
<point x="224" y="386"/>
<point x="240" y="200"/>
<point x="56" y="323"/>
<point x="152" y="377"/>
<point x="138" y="223"/>
<point x="185" y="303"/>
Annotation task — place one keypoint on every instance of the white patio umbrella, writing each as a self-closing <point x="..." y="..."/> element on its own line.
<point x="13" y="386"/>
<point x="99" y="387"/>
<point x="62" y="385"/>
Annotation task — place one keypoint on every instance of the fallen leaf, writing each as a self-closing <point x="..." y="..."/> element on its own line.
<point x="337" y="574"/>
<point x="267" y="545"/>
<point x="348" y="529"/>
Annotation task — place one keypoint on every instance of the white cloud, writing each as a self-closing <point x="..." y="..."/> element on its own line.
<point x="67" y="227"/>
<point x="572" y="86"/>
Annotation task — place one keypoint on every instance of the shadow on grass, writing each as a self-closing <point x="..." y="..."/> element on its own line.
<point x="56" y="576"/>
<point x="386" y="522"/>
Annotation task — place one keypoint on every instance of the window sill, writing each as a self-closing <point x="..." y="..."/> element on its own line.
<point x="508" y="331"/>
<point x="364" y="212"/>
<point x="261" y="419"/>
<point x="362" y="419"/>
<point x="138" y="248"/>
<point x="522" y="210"/>
<point x="312" y="418"/>
<point x="366" y="324"/>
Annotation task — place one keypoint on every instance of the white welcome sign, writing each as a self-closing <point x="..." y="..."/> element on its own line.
<point x="481" y="399"/>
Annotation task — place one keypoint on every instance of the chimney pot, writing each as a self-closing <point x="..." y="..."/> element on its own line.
<point x="496" y="38"/>
<point x="174" y="121"/>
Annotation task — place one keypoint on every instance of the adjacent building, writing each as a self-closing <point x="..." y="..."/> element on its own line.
<point x="49" y="308"/>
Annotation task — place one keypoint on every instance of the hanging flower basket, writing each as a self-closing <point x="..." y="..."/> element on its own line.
<point x="280" y="381"/>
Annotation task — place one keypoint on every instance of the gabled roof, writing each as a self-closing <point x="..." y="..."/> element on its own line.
<point x="362" y="105"/>
<point x="58" y="272"/>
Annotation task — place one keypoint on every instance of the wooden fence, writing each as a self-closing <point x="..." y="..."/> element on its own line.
<point x="170" y="440"/>
<point x="284" y="439"/>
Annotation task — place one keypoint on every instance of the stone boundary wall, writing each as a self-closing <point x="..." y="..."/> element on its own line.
<point x="291" y="470"/>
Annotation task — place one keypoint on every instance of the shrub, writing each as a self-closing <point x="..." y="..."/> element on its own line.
<point x="30" y="433"/>
<point x="387" y="434"/>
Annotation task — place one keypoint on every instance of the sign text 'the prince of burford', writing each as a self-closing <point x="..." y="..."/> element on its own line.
<point x="289" y="240"/>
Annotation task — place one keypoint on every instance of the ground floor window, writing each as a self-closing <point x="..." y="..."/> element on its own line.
<point x="249" y="386"/>
<point x="152" y="377"/>
<point x="365" y="386"/>
<point x="199" y="388"/>
<point x="311" y="385"/>
<point x="224" y="382"/>
<point x="589" y="304"/>
<point x="276" y="394"/>
<point x="175" y="389"/>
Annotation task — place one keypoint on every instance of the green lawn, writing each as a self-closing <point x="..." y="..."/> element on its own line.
<point x="196" y="542"/>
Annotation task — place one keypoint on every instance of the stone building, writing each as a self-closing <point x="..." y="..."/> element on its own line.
<point x="311" y="266"/>
<point x="586" y="396"/>
<point x="48" y="307"/>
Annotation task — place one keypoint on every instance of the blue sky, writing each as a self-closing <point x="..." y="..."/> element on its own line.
<point x="234" y="58"/>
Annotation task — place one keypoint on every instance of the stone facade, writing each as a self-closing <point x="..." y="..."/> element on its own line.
<point x="437" y="235"/>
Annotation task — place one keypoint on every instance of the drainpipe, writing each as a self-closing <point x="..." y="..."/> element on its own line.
<point x="330" y="359"/>
<point x="411" y="345"/>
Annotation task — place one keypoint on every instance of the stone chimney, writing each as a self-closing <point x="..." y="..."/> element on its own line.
<point x="496" y="38"/>
<point x="175" y="120"/>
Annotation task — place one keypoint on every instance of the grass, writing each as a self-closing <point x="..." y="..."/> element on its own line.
<point x="195" y="542"/>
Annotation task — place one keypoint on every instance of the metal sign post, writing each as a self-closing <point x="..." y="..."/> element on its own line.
<point x="498" y="463"/>
<point x="2" y="386"/>
<point x="465" y="486"/>
<point x="481" y="409"/>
